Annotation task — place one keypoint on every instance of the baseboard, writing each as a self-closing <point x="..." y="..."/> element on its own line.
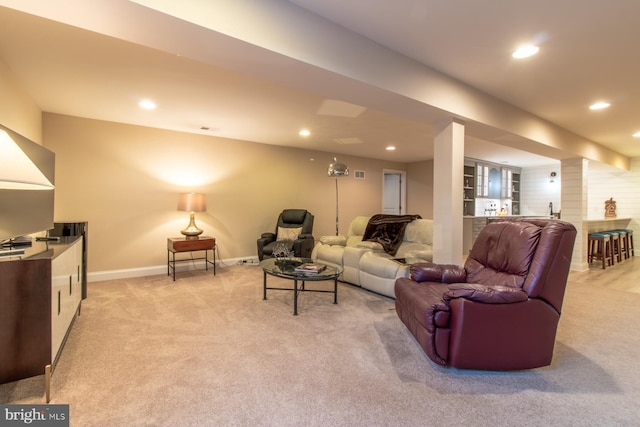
<point x="100" y="276"/>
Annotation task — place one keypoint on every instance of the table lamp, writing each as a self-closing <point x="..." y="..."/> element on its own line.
<point x="18" y="172"/>
<point x="192" y="202"/>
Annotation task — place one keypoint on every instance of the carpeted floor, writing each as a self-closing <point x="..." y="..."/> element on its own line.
<point x="208" y="351"/>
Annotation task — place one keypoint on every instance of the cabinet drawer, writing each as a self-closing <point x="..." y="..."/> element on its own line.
<point x="185" y="245"/>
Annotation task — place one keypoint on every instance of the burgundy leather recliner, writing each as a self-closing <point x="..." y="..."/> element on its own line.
<point x="499" y="312"/>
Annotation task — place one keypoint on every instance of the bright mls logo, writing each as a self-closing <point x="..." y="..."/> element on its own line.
<point x="36" y="415"/>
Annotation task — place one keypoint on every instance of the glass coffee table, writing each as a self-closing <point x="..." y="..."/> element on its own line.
<point x="286" y="269"/>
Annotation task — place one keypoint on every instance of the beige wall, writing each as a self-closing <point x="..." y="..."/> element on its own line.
<point x="420" y="188"/>
<point x="18" y="112"/>
<point x="125" y="181"/>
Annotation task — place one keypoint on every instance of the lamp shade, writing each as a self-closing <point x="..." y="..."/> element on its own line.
<point x="17" y="171"/>
<point x="338" y="169"/>
<point x="192" y="202"/>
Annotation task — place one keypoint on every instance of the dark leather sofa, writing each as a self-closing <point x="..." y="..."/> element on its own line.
<point x="501" y="310"/>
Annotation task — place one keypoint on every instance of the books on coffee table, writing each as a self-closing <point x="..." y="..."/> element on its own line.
<point x="310" y="267"/>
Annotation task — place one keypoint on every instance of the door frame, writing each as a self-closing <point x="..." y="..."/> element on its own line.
<point x="403" y="188"/>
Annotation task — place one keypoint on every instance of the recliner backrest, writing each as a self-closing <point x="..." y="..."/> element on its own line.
<point x="532" y="254"/>
<point x="296" y="218"/>
<point x="549" y="271"/>
<point x="502" y="254"/>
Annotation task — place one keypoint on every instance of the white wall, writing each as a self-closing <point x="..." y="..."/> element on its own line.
<point x="606" y="182"/>
<point x="536" y="192"/>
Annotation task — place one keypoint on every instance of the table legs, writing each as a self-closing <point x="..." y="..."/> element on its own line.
<point x="295" y="296"/>
<point x="297" y="289"/>
<point x="264" y="285"/>
<point x="171" y="260"/>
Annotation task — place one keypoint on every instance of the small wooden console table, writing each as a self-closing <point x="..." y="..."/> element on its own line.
<point x="184" y="244"/>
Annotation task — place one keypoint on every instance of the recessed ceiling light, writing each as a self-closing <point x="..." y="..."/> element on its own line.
<point x="390" y="148"/>
<point x="147" y="104"/>
<point x="525" y="51"/>
<point x="304" y="132"/>
<point x="599" y="105"/>
<point x="636" y="135"/>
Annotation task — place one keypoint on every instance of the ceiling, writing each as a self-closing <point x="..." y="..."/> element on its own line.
<point x="101" y="71"/>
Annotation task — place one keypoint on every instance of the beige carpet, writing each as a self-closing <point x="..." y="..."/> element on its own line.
<point x="208" y="351"/>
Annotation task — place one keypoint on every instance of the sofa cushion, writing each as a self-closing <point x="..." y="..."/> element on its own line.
<point x="419" y="231"/>
<point x="373" y="246"/>
<point x="379" y="264"/>
<point x="330" y="254"/>
<point x="358" y="226"/>
<point x="415" y="250"/>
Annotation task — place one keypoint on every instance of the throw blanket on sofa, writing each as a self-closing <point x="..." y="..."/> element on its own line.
<point x="388" y="230"/>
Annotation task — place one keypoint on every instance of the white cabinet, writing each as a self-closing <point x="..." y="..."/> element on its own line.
<point x="515" y="194"/>
<point x="66" y="293"/>
<point x="507" y="183"/>
<point x="482" y="180"/>
<point x="468" y="197"/>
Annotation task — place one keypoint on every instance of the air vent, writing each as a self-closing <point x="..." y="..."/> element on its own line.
<point x="359" y="174"/>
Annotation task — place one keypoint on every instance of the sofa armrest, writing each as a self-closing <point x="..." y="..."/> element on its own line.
<point x="485" y="294"/>
<point x="444" y="273"/>
<point x="334" y="240"/>
<point x="303" y="246"/>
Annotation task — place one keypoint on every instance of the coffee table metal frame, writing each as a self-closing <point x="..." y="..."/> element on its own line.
<point x="286" y="269"/>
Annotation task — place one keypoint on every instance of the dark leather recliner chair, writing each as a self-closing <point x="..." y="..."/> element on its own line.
<point x="300" y="246"/>
<point x="501" y="311"/>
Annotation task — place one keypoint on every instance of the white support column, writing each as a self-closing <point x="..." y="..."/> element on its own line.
<point x="574" y="197"/>
<point x="448" y="171"/>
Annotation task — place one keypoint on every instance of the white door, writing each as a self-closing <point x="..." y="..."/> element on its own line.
<point x="393" y="193"/>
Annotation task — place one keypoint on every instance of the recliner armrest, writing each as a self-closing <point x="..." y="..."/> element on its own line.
<point x="305" y="236"/>
<point x="270" y="236"/>
<point x="485" y="294"/>
<point x="443" y="273"/>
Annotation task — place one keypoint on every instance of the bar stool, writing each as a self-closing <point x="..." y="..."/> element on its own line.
<point x="599" y="248"/>
<point x="628" y="243"/>
<point x="616" y="255"/>
<point x="624" y="244"/>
